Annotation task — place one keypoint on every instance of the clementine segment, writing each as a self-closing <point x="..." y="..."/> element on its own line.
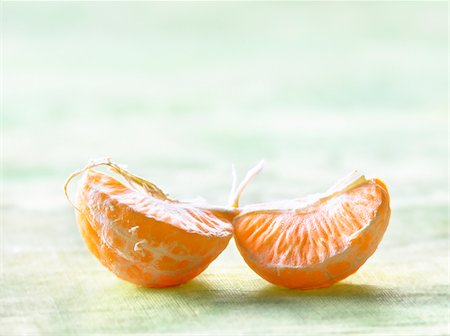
<point x="317" y="241"/>
<point x="147" y="240"/>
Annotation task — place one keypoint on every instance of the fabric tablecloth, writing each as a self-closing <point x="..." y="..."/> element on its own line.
<point x="179" y="91"/>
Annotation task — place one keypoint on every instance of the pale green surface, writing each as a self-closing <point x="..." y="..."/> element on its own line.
<point x="181" y="91"/>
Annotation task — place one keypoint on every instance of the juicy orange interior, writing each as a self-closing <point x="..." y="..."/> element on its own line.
<point x="307" y="236"/>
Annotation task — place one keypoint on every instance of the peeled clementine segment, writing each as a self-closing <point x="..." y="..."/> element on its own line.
<point x="316" y="241"/>
<point x="143" y="236"/>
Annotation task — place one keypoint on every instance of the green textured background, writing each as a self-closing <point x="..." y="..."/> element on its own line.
<point x="179" y="91"/>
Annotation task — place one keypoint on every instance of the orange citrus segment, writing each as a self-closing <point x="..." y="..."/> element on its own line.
<point x="314" y="242"/>
<point x="146" y="240"/>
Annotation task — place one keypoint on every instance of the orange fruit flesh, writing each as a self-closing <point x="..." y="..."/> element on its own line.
<point x="144" y="240"/>
<point x="308" y="245"/>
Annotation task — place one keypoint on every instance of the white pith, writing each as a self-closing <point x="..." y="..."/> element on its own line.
<point x="186" y="216"/>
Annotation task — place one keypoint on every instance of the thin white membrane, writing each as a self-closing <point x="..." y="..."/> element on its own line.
<point x="146" y="198"/>
<point x="236" y="193"/>
<point x="182" y="215"/>
<point x="350" y="181"/>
